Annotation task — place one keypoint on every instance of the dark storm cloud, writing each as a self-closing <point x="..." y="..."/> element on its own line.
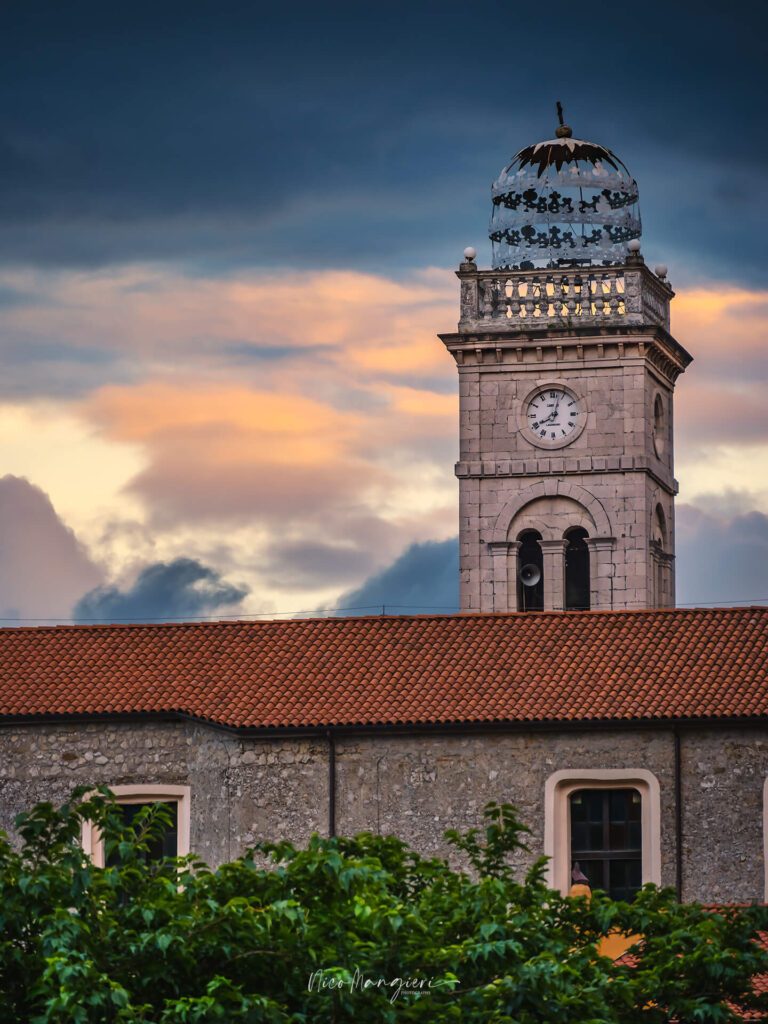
<point x="721" y="559"/>
<point x="423" y="579"/>
<point x="367" y="135"/>
<point x="36" y="367"/>
<point x="296" y="564"/>
<point x="248" y="351"/>
<point x="173" y="590"/>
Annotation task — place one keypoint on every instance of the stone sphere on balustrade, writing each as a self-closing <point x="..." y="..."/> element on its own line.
<point x="563" y="203"/>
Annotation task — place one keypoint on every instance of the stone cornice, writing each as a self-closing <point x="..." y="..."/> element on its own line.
<point x="581" y="347"/>
<point x="563" y="465"/>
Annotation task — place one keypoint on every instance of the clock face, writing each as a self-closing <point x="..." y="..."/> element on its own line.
<point x="553" y="417"/>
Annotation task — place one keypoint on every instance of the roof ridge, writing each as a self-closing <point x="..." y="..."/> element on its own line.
<point x="388" y="617"/>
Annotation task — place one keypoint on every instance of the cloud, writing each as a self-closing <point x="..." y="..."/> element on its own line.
<point x="309" y="419"/>
<point x="331" y="427"/>
<point x="721" y="559"/>
<point x="180" y="589"/>
<point x="240" y="140"/>
<point x="43" y="567"/>
<point x="724" y="328"/>
<point x="307" y="564"/>
<point x="721" y="426"/>
<point x="425" y="578"/>
<point x="328" y="331"/>
<point x="235" y="454"/>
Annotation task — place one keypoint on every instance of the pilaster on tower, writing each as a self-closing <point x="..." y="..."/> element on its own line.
<point x="566" y="379"/>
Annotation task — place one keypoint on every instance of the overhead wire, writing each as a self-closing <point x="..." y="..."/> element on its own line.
<point x="379" y="608"/>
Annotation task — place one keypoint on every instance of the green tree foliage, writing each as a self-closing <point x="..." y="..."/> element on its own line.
<point x="359" y="929"/>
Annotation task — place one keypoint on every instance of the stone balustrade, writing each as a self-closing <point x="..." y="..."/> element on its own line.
<point x="584" y="296"/>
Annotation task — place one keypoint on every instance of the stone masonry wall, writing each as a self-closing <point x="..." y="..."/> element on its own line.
<point x="241" y="790"/>
<point x="415" y="786"/>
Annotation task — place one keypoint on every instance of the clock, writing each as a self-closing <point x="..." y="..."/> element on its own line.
<point x="553" y="416"/>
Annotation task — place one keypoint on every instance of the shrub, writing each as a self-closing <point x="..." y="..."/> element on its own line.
<point x="356" y="929"/>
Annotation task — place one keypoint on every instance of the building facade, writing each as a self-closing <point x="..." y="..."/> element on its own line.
<point x="653" y="723"/>
<point x="239" y="789"/>
<point x="632" y="736"/>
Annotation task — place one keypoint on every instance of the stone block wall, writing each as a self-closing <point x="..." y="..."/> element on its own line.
<point x="613" y="461"/>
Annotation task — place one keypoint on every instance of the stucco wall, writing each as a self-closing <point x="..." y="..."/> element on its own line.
<point x="415" y="786"/>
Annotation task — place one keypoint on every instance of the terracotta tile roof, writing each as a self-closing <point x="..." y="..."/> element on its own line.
<point x="693" y="663"/>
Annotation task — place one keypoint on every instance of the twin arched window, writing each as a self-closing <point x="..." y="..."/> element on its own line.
<point x="530" y="574"/>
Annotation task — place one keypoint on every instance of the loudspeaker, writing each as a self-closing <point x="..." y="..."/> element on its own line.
<point x="530" y="575"/>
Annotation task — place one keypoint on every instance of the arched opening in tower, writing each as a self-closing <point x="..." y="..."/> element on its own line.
<point x="659" y="557"/>
<point x="576" y="570"/>
<point x="530" y="573"/>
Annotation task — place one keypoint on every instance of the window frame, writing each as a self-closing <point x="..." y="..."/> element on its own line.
<point x="92" y="841"/>
<point x="557" y="819"/>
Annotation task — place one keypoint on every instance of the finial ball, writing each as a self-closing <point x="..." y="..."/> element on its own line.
<point x="634" y="245"/>
<point x="470" y="252"/>
<point x="661" y="270"/>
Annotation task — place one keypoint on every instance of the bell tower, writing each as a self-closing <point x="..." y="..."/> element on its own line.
<point x="566" y="371"/>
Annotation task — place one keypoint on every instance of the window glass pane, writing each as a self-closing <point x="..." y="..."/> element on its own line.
<point x="595" y="870"/>
<point x="635" y="840"/>
<point x="606" y="839"/>
<point x="596" y="836"/>
<point x="625" y="878"/>
<point x="620" y="802"/>
<point x="167" y="844"/>
<point x="579" y="836"/>
<point x="593" y="798"/>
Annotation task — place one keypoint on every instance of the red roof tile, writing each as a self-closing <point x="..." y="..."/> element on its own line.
<point x="684" y="663"/>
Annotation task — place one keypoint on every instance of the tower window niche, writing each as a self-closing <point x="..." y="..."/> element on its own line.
<point x="659" y="425"/>
<point x="577" y="570"/>
<point x="660" y="542"/>
<point x="530" y="596"/>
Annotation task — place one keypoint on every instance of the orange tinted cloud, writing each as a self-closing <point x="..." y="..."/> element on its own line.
<point x="231" y="452"/>
<point x="233" y="436"/>
<point x="156" y="409"/>
<point x="724" y="327"/>
<point x="154" y="316"/>
<point x="721" y="397"/>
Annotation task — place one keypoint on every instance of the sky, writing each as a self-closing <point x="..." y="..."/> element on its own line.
<point x="228" y="233"/>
